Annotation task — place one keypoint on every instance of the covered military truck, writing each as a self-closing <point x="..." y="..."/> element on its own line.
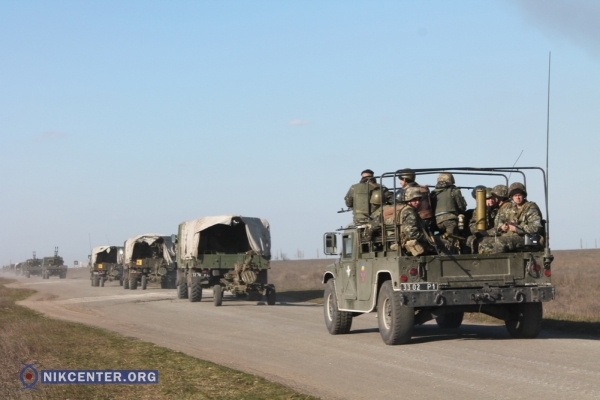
<point x="106" y="264"/>
<point x="149" y="258"/>
<point x="376" y="271"/>
<point x="33" y="266"/>
<point x="54" y="266"/>
<point x="228" y="253"/>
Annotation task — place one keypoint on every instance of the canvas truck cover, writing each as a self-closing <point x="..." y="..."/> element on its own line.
<point x="168" y="253"/>
<point x="101" y="249"/>
<point x="257" y="232"/>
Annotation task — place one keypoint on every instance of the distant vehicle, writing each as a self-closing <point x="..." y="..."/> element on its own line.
<point x="374" y="272"/>
<point x="149" y="258"/>
<point x="106" y="264"/>
<point x="18" y="269"/>
<point x="54" y="266"/>
<point x="228" y="253"/>
<point x="33" y="266"/>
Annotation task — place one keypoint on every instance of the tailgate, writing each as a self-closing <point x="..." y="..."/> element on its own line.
<point x="475" y="270"/>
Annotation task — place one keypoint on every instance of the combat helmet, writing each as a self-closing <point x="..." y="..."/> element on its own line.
<point x="516" y="187"/>
<point x="412" y="193"/>
<point x="406" y="173"/>
<point x="475" y="189"/>
<point x="488" y="193"/>
<point x="375" y="197"/>
<point x="446" y="177"/>
<point x="500" y="191"/>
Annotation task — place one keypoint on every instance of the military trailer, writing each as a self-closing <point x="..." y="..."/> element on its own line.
<point x="54" y="266"/>
<point x="376" y="273"/>
<point x="149" y="258"/>
<point x="106" y="264"/>
<point x="228" y="253"/>
<point x="33" y="266"/>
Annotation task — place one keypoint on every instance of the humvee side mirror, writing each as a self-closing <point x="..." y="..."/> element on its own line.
<point x="330" y="244"/>
<point x="173" y="239"/>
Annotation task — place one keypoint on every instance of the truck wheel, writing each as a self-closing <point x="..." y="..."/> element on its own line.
<point x="102" y="280"/>
<point x="96" y="280"/>
<point x="526" y="322"/>
<point x="395" y="321"/>
<point x="195" y="292"/>
<point x="133" y="283"/>
<point x="144" y="282"/>
<point x="218" y="295"/>
<point x="450" y="320"/>
<point x="337" y="322"/>
<point x="271" y="296"/>
<point x="182" y="290"/>
<point x="125" y="283"/>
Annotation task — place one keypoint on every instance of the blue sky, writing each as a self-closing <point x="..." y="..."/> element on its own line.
<point x="123" y="118"/>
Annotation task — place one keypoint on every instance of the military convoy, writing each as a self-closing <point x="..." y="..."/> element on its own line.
<point x="106" y="264"/>
<point x="33" y="266"/>
<point x="54" y="266"/>
<point x="228" y="253"/>
<point x="376" y="273"/>
<point x="149" y="258"/>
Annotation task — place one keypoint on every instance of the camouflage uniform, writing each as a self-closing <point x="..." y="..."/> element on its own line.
<point x="448" y="203"/>
<point x="425" y="211"/>
<point x="358" y="198"/>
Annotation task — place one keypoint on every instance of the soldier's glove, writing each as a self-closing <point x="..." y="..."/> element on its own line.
<point x="481" y="234"/>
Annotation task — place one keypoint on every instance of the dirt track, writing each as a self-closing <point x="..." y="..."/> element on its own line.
<point x="288" y="343"/>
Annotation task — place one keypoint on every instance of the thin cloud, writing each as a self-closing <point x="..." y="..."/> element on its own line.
<point x="47" y="136"/>
<point x="574" y="20"/>
<point x="299" y="122"/>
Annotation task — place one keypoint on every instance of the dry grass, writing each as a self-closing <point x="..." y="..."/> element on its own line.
<point x="27" y="337"/>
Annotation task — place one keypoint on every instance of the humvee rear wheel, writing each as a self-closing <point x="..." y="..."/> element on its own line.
<point x="182" y="290"/>
<point x="526" y="321"/>
<point x="133" y="283"/>
<point x="144" y="282"/>
<point x="395" y="321"/>
<point x="337" y="322"/>
<point x="195" y="292"/>
<point x="450" y="320"/>
<point x="271" y="296"/>
<point x="218" y="295"/>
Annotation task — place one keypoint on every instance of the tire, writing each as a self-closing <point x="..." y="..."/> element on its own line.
<point x="132" y="283"/>
<point x="218" y="295"/>
<point x="450" y="320"/>
<point x="195" y="292"/>
<point x="526" y="322"/>
<point x="144" y="282"/>
<point x="102" y="280"/>
<point x="91" y="280"/>
<point x="395" y="321"/>
<point x="96" y="280"/>
<point x="182" y="290"/>
<point x="271" y="296"/>
<point x="337" y="322"/>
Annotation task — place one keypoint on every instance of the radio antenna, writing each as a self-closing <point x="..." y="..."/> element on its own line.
<point x="516" y="161"/>
<point x="548" y="118"/>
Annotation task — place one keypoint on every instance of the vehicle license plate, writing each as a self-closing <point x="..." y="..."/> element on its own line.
<point x="419" y="286"/>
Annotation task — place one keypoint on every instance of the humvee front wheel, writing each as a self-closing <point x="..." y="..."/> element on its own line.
<point x="337" y="322"/>
<point x="450" y="320"/>
<point x="195" y="292"/>
<point x="526" y="321"/>
<point x="218" y="295"/>
<point x="395" y="321"/>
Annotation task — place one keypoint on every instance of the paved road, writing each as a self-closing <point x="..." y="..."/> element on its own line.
<point x="288" y="343"/>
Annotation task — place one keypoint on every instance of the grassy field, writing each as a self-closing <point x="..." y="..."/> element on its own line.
<point x="575" y="273"/>
<point x="27" y="337"/>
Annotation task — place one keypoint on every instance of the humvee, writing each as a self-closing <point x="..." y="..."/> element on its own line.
<point x="228" y="253"/>
<point x="106" y="263"/>
<point x="33" y="266"/>
<point x="54" y="266"/>
<point x="375" y="273"/>
<point x="149" y="258"/>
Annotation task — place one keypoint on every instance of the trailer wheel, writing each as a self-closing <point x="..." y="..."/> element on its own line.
<point x="337" y="322"/>
<point x="450" y="320"/>
<point x="218" y="295"/>
<point x="144" y="282"/>
<point x="395" y="320"/>
<point x="526" y="321"/>
<point x="182" y="290"/>
<point x="195" y="292"/>
<point x="132" y="283"/>
<point x="271" y="296"/>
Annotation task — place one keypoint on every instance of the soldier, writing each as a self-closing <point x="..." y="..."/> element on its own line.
<point x="513" y="222"/>
<point x="407" y="180"/>
<point x="359" y="195"/>
<point x="491" y="210"/>
<point x="413" y="234"/>
<point x="448" y="203"/>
